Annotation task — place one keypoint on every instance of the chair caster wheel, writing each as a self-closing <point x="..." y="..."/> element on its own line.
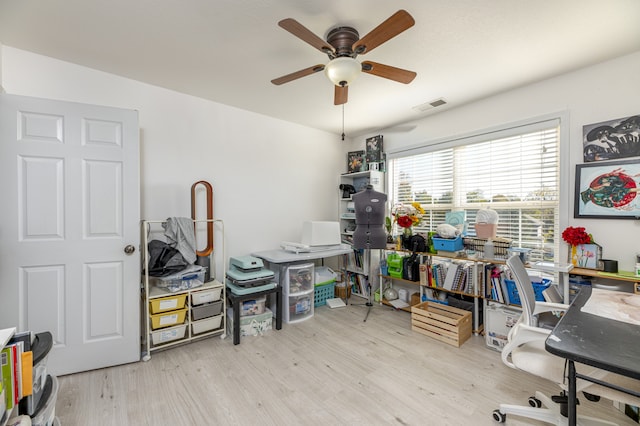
<point x="535" y="402"/>
<point x="499" y="417"/>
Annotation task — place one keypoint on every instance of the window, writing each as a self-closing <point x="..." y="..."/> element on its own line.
<point x="513" y="171"/>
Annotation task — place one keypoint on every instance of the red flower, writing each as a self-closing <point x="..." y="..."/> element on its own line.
<point x="405" y="221"/>
<point x="576" y="236"/>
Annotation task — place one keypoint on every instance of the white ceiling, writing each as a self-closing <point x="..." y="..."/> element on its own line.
<point x="228" y="51"/>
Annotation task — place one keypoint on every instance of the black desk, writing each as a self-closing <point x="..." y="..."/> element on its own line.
<point x="236" y="300"/>
<point x="597" y="341"/>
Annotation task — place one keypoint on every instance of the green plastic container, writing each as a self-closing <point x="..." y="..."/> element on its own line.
<point x="394" y="265"/>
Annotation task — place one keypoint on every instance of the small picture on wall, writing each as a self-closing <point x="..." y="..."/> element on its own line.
<point x="611" y="139"/>
<point x="374" y="149"/>
<point x="355" y="161"/>
<point x="608" y="190"/>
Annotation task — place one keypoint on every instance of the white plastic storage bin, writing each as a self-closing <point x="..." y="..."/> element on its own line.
<point x="166" y="335"/>
<point x="299" y="307"/>
<point x="324" y="275"/>
<point x="498" y="321"/>
<point x="205" y="296"/>
<point x="205" y="325"/>
<point x="299" y="279"/>
<point x="298" y="292"/>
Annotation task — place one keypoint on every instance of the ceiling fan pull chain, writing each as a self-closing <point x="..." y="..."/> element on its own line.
<point x="342" y="121"/>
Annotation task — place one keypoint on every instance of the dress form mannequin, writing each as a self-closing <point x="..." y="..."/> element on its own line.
<point x="370" y="214"/>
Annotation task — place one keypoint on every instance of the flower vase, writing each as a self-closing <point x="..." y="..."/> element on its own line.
<point x="574" y="255"/>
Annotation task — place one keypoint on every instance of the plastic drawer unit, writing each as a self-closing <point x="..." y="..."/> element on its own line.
<point x="298" y="292"/>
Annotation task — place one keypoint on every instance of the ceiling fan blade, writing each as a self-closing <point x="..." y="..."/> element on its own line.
<point x="394" y="25"/>
<point x="298" y="74"/>
<point x="341" y="94"/>
<point x="300" y="31"/>
<point x="387" y="71"/>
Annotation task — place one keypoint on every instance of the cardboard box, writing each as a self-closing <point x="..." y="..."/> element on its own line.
<point x="445" y="323"/>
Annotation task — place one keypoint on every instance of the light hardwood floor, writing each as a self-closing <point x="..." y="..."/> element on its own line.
<point x="333" y="369"/>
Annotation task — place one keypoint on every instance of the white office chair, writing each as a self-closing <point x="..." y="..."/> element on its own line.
<point x="525" y="351"/>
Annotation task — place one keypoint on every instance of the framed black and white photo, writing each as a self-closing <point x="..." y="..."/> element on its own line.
<point x="374" y="149"/>
<point x="607" y="190"/>
<point x="609" y="140"/>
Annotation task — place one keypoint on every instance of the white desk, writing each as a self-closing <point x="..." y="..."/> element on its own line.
<point x="283" y="256"/>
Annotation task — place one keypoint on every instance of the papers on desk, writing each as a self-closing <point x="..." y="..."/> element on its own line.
<point x="614" y="305"/>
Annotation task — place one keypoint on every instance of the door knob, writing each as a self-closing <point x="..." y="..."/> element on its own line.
<point x="129" y="249"/>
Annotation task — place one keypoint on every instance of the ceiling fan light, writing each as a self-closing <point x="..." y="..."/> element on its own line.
<point x="342" y="71"/>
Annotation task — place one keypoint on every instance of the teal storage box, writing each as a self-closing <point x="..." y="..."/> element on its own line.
<point x="394" y="265"/>
<point x="448" y="244"/>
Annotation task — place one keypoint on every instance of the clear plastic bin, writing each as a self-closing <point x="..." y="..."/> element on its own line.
<point x="191" y="277"/>
<point x="46" y="412"/>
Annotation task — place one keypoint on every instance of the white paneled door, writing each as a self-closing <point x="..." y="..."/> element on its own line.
<point x="69" y="229"/>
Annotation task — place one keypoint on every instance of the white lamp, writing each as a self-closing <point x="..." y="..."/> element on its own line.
<point x="342" y="70"/>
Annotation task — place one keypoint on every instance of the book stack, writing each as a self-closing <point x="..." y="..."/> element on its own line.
<point x="497" y="286"/>
<point x="17" y="370"/>
<point x="25" y="387"/>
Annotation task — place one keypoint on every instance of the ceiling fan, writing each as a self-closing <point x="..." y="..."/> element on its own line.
<point x="343" y="45"/>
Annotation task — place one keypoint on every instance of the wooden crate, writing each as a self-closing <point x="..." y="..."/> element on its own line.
<point x="445" y="323"/>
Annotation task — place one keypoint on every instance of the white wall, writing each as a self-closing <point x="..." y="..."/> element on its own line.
<point x="258" y="166"/>
<point x="598" y="93"/>
<point x="268" y="175"/>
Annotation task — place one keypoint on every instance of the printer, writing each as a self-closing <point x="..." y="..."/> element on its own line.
<point x="316" y="236"/>
<point x="248" y="271"/>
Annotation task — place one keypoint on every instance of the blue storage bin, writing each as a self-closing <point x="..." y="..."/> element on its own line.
<point x="538" y="288"/>
<point x="448" y="244"/>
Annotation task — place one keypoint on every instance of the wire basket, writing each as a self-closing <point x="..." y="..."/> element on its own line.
<point x="501" y="245"/>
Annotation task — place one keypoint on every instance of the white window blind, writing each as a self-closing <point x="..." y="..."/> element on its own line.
<point x="516" y="175"/>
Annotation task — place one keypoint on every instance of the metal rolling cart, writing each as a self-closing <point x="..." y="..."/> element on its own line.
<point x="174" y="318"/>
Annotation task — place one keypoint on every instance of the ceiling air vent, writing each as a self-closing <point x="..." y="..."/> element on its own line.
<point x="429" y="105"/>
